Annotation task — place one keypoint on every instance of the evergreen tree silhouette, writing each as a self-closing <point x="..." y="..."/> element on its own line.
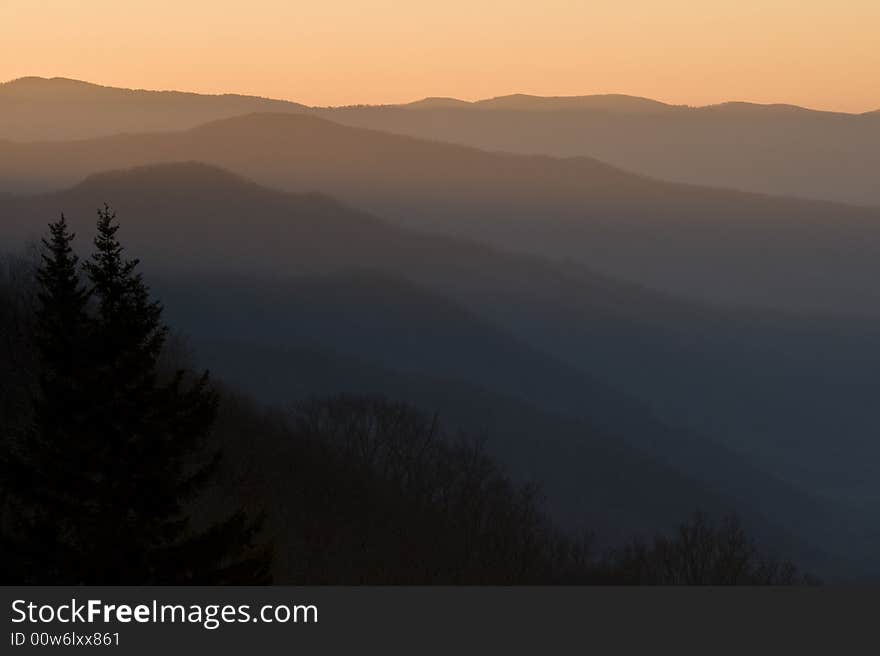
<point x="151" y="457"/>
<point x="104" y="478"/>
<point x="44" y="467"/>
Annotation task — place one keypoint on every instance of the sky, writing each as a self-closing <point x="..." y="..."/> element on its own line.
<point x="823" y="54"/>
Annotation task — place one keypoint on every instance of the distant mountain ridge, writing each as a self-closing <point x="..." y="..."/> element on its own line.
<point x="35" y="109"/>
<point x="775" y="149"/>
<point x="614" y="102"/>
<point x="526" y="102"/>
<point x="34" y="86"/>
<point x="682" y="239"/>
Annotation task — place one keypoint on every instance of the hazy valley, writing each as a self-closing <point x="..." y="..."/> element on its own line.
<point x="640" y="348"/>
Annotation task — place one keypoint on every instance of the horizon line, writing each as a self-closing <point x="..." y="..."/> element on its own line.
<point x="443" y="97"/>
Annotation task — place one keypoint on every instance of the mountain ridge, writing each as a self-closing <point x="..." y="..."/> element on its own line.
<point x="504" y="100"/>
<point x="235" y="251"/>
<point x="684" y="239"/>
<point x="772" y="149"/>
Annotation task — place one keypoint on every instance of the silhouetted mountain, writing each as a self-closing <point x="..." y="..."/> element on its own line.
<point x="777" y="149"/>
<point x="243" y="263"/>
<point x="604" y="102"/>
<point x="739" y="108"/>
<point x="774" y="149"/>
<point x="683" y="239"/>
<point x="434" y="103"/>
<point x="31" y="109"/>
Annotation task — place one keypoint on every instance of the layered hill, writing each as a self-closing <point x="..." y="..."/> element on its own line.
<point x="721" y="246"/>
<point x="773" y="149"/>
<point x="34" y="108"/>
<point x="776" y="149"/>
<point x="724" y="394"/>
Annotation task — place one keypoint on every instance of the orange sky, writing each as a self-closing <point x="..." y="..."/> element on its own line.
<point x="817" y="53"/>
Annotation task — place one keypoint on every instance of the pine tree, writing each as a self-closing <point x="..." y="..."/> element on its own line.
<point x="104" y="478"/>
<point x="43" y="468"/>
<point x="152" y="459"/>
